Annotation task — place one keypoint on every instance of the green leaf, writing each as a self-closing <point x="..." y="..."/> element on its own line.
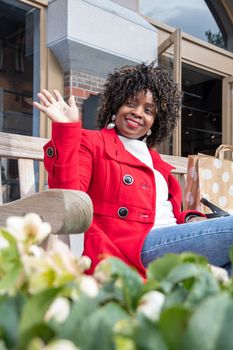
<point x="190" y="284"/>
<point x="172" y="324"/>
<point x="231" y="255"/>
<point x="177" y="297"/>
<point x="101" y="325"/>
<point x="40" y="330"/>
<point x="10" y="264"/>
<point x="80" y="311"/>
<point x="189" y="257"/>
<point x="3" y="346"/>
<point x="210" y="327"/>
<point x="147" y="335"/>
<point x="204" y="286"/>
<point x="10" y="308"/>
<point x="127" y="282"/>
<point x="178" y="274"/>
<point x="123" y="343"/>
<point x="35" y="308"/>
<point x="98" y="323"/>
<point x="9" y="237"/>
<point x="9" y="280"/>
<point x="160" y="268"/>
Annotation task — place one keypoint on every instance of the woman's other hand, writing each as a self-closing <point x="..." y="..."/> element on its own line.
<point x="56" y="108"/>
<point x="196" y="218"/>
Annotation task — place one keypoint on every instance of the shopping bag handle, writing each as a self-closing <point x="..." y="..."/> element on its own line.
<point x="217" y="212"/>
<point x="219" y="153"/>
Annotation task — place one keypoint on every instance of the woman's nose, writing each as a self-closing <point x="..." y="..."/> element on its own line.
<point x="138" y="111"/>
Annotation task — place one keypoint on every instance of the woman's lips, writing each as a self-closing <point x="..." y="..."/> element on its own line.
<point x="132" y="123"/>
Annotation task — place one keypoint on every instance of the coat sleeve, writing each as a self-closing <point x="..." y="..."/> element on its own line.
<point x="68" y="161"/>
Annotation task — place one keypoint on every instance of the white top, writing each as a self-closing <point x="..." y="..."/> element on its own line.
<point x="164" y="213"/>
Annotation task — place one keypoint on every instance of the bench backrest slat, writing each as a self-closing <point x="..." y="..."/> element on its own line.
<point x="26" y="149"/>
<point x="15" y="146"/>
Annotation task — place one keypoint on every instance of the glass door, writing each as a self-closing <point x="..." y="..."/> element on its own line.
<point x="169" y="57"/>
<point x="19" y="67"/>
<point x="19" y="80"/>
<point x="201" y="111"/>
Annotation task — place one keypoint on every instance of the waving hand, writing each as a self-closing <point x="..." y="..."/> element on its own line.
<point x="56" y="108"/>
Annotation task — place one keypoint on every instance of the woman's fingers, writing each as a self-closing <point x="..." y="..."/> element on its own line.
<point x="39" y="106"/>
<point x="72" y="102"/>
<point x="58" y="96"/>
<point x="56" y="108"/>
<point x="48" y="96"/>
<point x="44" y="101"/>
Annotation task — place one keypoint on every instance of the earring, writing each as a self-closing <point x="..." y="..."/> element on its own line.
<point x="111" y="125"/>
<point x="149" y="132"/>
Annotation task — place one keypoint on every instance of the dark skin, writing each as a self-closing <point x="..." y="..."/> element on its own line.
<point x="136" y="116"/>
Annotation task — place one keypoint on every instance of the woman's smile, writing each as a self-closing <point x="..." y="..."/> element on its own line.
<point x="136" y="116"/>
<point x="132" y="122"/>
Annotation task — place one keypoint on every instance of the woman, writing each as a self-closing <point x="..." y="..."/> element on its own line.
<point x="137" y="202"/>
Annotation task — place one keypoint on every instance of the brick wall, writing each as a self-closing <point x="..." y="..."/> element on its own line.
<point x="81" y="85"/>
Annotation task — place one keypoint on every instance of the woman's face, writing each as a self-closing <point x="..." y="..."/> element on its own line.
<point x="136" y="116"/>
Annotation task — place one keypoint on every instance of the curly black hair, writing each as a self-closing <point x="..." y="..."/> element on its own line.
<point x="127" y="82"/>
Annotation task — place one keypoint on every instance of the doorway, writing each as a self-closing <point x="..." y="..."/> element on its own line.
<point x="19" y="81"/>
<point x="201" y="111"/>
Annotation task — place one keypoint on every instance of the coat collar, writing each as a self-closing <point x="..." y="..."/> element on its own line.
<point x="116" y="150"/>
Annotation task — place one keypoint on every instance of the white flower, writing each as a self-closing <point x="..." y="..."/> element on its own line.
<point x="62" y="259"/>
<point x="151" y="305"/>
<point x="52" y="268"/>
<point x="60" y="344"/>
<point x="84" y="263"/>
<point x="219" y="273"/>
<point x="89" y="286"/>
<point x="36" y="251"/>
<point x="30" y="227"/>
<point x="59" y="310"/>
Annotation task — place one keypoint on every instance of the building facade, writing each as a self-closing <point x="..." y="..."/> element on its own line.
<point x="72" y="45"/>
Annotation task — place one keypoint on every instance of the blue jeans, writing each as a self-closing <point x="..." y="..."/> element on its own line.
<point x="211" y="238"/>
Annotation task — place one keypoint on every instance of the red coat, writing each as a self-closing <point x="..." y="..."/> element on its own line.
<point x="96" y="162"/>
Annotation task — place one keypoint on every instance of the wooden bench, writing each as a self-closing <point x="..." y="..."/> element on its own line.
<point x="26" y="150"/>
<point x="60" y="208"/>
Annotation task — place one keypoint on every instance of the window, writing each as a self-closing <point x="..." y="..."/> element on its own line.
<point x="193" y="17"/>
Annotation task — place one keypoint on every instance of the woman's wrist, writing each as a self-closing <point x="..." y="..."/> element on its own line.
<point x="190" y="216"/>
<point x="194" y="217"/>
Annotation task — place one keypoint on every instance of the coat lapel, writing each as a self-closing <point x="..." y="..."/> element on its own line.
<point x="116" y="150"/>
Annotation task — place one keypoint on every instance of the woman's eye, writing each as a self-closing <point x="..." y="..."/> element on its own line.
<point x="148" y="110"/>
<point x="130" y="103"/>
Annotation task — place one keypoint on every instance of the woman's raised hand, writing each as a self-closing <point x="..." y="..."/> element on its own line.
<point x="56" y="108"/>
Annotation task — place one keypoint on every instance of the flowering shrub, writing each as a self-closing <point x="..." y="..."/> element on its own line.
<point x="47" y="302"/>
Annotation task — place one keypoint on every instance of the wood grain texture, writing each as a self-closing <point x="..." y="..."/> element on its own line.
<point x="67" y="211"/>
<point x="20" y="146"/>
